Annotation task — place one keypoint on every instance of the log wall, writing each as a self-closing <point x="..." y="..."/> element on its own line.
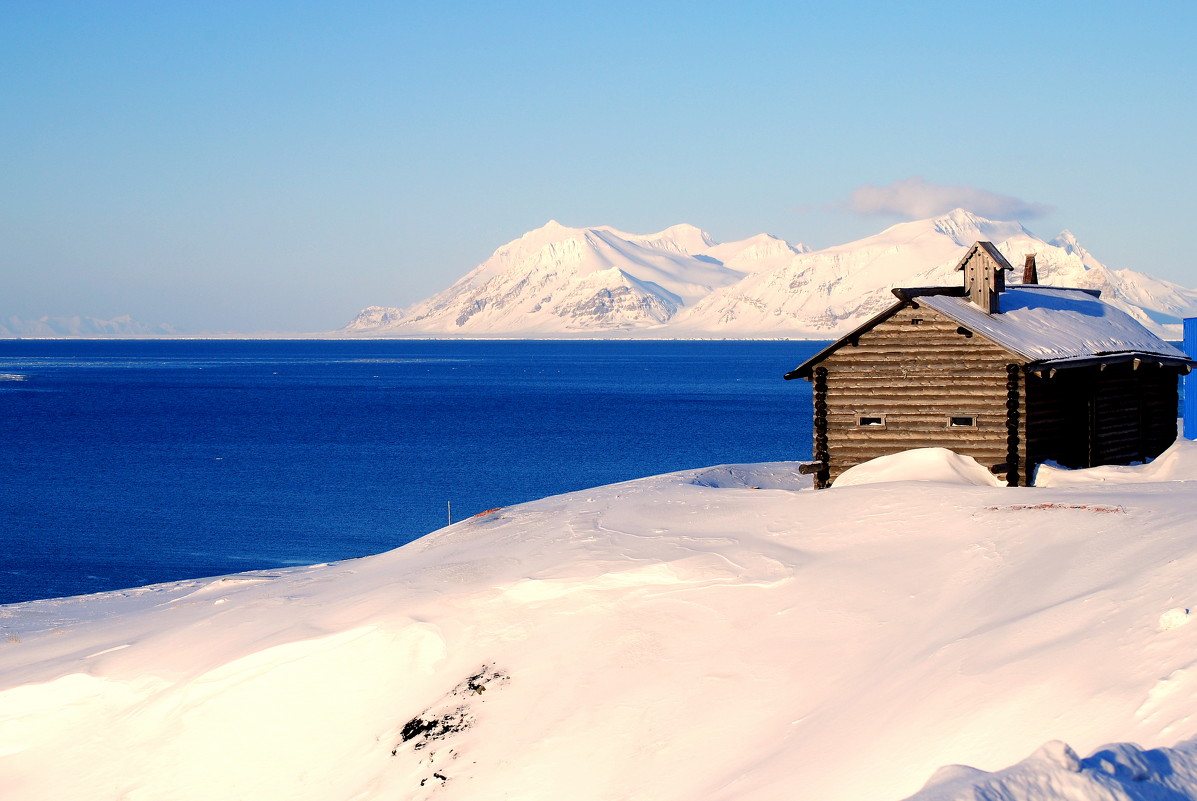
<point x="1086" y="416"/>
<point x="916" y="370"/>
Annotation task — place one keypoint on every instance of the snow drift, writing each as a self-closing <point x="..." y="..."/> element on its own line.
<point x="920" y="464"/>
<point x="712" y="634"/>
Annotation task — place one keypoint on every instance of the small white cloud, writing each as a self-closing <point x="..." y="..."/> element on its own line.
<point x="916" y="198"/>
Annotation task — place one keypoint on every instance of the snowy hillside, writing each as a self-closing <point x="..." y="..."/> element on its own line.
<point x="712" y="634"/>
<point x="559" y="281"/>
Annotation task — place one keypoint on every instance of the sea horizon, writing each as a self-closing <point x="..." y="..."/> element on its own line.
<point x="136" y="461"/>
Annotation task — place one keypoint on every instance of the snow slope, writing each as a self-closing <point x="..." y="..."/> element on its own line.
<point x="722" y="633"/>
<point x="559" y="281"/>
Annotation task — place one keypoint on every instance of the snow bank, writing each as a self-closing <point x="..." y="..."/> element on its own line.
<point x="1178" y="463"/>
<point x="919" y="464"/>
<point x="1118" y="772"/>
<point x="770" y="475"/>
<point x="674" y="638"/>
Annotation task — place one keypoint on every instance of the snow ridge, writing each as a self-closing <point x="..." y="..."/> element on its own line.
<point x="560" y="281"/>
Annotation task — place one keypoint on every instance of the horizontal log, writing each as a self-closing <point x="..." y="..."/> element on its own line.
<point x="928" y="344"/>
<point x="1117" y="432"/>
<point x="896" y="384"/>
<point x="920" y="417"/>
<point x="916" y="439"/>
<point x="924" y="398"/>
<point x="906" y="354"/>
<point x="926" y="432"/>
<point x="961" y="350"/>
<point x="922" y="426"/>
<point x="940" y="389"/>
<point x="928" y="388"/>
<point x="983" y="455"/>
<point x="897" y="373"/>
<point x="1122" y="446"/>
<point x="1120" y="441"/>
<point x="923" y="433"/>
<point x="991" y="412"/>
<point x="1038" y="412"/>
<point x="896" y="364"/>
<point x="839" y="463"/>
<point x="848" y="415"/>
<point x="925" y="339"/>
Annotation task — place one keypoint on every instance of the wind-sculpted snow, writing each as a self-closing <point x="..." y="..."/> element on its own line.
<point x="719" y="633"/>
<point x="920" y="464"/>
<point x="560" y="281"/>
<point x="1178" y="463"/>
<point x="1116" y="772"/>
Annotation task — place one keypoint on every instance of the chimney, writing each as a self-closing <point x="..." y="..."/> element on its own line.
<point x="1029" y="274"/>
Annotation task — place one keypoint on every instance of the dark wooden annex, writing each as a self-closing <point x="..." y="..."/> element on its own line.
<point x="1011" y="376"/>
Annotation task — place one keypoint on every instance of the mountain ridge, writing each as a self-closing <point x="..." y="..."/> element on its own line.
<point x="557" y="281"/>
<point x="82" y="326"/>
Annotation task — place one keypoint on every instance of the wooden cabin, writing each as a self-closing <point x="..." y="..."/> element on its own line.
<point x="1011" y="376"/>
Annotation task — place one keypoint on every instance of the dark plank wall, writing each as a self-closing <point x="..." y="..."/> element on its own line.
<point x="1086" y="416"/>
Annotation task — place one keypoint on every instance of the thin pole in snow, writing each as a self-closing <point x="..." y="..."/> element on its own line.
<point x="450" y="505"/>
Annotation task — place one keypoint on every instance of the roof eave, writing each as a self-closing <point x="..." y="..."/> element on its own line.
<point x="1151" y="359"/>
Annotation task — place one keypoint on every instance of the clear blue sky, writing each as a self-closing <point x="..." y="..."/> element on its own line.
<point x="256" y="166"/>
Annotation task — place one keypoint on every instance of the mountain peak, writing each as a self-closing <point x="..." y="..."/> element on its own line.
<point x="962" y="215"/>
<point x="959" y="222"/>
<point x="683" y="238"/>
<point x="558" y="280"/>
<point x="684" y="229"/>
<point x="1068" y="242"/>
<point x="551" y="227"/>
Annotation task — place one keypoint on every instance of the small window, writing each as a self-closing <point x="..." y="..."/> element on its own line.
<point x="875" y="421"/>
<point x="962" y="421"/>
<point x="915" y="320"/>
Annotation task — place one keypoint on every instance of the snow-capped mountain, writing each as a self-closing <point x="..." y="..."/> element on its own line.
<point x="560" y="281"/>
<point x="77" y="326"/>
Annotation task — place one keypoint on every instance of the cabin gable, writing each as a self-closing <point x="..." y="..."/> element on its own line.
<point x="916" y="379"/>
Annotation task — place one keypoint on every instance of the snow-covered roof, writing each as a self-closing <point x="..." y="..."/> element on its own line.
<point x="1042" y="323"/>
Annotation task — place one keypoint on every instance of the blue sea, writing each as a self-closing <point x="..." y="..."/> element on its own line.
<point x="133" y="462"/>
